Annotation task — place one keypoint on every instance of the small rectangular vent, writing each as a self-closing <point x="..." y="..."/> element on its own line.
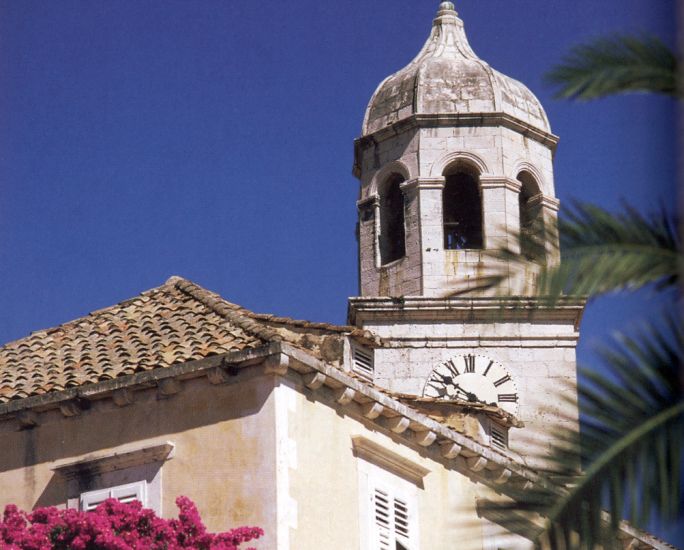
<point x="499" y="437"/>
<point x="363" y="362"/>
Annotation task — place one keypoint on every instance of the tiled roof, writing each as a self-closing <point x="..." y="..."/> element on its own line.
<point x="174" y="323"/>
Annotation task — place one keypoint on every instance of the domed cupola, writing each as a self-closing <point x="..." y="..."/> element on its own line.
<point x="455" y="159"/>
<point x="446" y="77"/>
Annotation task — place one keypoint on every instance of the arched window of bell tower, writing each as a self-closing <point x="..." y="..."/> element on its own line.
<point x="532" y="244"/>
<point x="392" y="233"/>
<point x="462" y="209"/>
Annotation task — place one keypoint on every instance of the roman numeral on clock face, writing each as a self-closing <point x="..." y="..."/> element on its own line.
<point x="452" y="367"/>
<point x="488" y="367"/>
<point x="507" y="398"/>
<point x="469" y="361"/>
<point x="502" y="380"/>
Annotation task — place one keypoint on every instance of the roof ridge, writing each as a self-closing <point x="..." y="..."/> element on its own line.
<point x="285" y="320"/>
<point x="228" y="310"/>
<point x="253" y="322"/>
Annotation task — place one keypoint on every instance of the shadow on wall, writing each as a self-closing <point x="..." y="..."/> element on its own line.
<point x="235" y="405"/>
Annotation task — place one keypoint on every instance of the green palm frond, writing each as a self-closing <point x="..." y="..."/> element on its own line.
<point x="631" y="442"/>
<point x="604" y="252"/>
<point x="631" y="438"/>
<point x="601" y="252"/>
<point x="614" y="65"/>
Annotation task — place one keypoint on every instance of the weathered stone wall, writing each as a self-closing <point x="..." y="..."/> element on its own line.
<point x="540" y="356"/>
<point x="422" y="155"/>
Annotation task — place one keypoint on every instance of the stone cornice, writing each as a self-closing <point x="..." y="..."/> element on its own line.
<point x="497" y="182"/>
<point x="372" y="200"/>
<point x="423" y="183"/>
<point x="550" y="203"/>
<point x="376" y="453"/>
<point x="462" y="120"/>
<point x="125" y="458"/>
<point x="512" y="309"/>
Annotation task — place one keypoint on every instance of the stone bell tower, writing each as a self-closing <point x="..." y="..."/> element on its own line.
<point x="467" y="151"/>
<point x="456" y="159"/>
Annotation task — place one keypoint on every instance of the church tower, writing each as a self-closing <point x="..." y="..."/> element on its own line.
<point x="455" y="160"/>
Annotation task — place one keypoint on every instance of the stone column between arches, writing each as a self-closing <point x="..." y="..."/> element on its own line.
<point x="426" y="224"/>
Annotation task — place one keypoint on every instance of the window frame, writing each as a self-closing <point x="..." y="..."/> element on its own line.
<point x="401" y="531"/>
<point x="399" y="478"/>
<point x="91" y="476"/>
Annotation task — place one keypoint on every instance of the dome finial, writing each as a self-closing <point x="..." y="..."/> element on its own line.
<point x="446" y="8"/>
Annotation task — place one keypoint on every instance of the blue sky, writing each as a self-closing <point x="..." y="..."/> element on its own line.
<point x="214" y="140"/>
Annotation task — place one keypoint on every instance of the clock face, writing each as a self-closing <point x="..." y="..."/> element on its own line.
<point x="476" y="379"/>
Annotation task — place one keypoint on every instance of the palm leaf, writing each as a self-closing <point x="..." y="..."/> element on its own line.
<point x="604" y="252"/>
<point x="614" y="65"/>
<point x="601" y="252"/>
<point x="632" y="435"/>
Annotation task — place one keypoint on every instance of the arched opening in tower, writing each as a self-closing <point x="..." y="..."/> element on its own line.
<point x="532" y="241"/>
<point x="462" y="211"/>
<point x="392" y="232"/>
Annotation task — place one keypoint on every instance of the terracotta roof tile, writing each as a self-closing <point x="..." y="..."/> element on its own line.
<point x="176" y="322"/>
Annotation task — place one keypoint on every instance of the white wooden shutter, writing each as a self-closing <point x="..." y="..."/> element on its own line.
<point x="91" y="499"/>
<point x="391" y="520"/>
<point x="382" y="518"/>
<point x="132" y="491"/>
<point x="401" y="523"/>
<point x="123" y="493"/>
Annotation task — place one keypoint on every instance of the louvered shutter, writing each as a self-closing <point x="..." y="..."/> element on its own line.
<point x="363" y="362"/>
<point x="383" y="519"/>
<point x="401" y="523"/>
<point x="132" y="491"/>
<point x="499" y="437"/>
<point x="122" y="493"/>
<point x="392" y="521"/>
<point x="91" y="499"/>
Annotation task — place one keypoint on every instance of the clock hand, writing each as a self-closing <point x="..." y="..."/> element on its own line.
<point x="471" y="397"/>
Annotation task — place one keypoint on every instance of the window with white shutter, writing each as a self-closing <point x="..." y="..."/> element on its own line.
<point x="389" y="489"/>
<point x="393" y="525"/>
<point x="123" y="493"/>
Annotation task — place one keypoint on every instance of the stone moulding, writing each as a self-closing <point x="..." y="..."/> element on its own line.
<point x="101" y="463"/>
<point x="466" y="309"/>
<point x="377" y="454"/>
<point x="461" y="120"/>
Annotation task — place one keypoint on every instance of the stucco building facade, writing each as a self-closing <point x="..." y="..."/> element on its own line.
<point x="388" y="433"/>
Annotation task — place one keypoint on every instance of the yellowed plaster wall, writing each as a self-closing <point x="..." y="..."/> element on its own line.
<point x="224" y="450"/>
<point x="325" y="483"/>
